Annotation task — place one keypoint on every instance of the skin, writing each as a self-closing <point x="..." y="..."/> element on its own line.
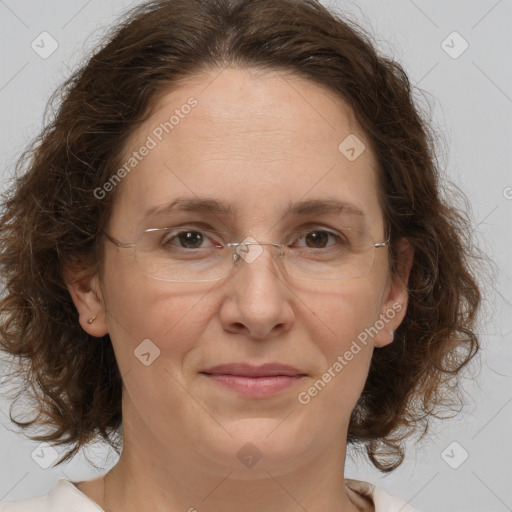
<point x="257" y="140"/>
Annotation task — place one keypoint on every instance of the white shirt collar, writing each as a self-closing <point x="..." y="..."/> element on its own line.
<point x="66" y="496"/>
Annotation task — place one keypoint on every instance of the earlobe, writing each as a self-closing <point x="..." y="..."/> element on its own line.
<point x="395" y="304"/>
<point x="86" y="295"/>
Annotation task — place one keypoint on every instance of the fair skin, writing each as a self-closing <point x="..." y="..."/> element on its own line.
<point x="258" y="141"/>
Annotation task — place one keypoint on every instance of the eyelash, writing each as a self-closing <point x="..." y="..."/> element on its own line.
<point x="300" y="235"/>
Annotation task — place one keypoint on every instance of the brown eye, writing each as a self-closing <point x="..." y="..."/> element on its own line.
<point x="190" y="239"/>
<point x="318" y="239"/>
<point x="184" y="239"/>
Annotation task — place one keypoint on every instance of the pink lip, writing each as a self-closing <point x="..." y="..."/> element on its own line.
<point x="255" y="381"/>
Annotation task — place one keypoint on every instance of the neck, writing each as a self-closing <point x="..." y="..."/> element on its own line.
<point x="140" y="483"/>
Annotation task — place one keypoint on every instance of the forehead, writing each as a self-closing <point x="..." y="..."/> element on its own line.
<point x="256" y="141"/>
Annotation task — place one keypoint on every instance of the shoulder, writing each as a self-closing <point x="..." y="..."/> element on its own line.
<point x="383" y="502"/>
<point x="35" y="504"/>
<point x="63" y="496"/>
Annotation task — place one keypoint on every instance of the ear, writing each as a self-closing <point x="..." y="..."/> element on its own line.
<point x="86" y="294"/>
<point x="396" y="295"/>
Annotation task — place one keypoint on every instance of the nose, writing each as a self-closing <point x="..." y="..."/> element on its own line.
<point x="258" y="302"/>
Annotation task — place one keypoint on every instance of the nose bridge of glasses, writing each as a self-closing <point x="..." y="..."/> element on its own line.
<point x="250" y="250"/>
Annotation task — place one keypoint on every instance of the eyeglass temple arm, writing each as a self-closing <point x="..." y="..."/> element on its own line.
<point x="383" y="244"/>
<point x="117" y="242"/>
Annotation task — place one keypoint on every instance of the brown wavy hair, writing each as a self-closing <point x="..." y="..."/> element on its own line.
<point x="51" y="218"/>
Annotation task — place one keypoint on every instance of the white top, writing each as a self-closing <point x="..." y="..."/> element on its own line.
<point x="66" y="497"/>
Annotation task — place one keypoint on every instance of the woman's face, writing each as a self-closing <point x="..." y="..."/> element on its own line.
<point x="257" y="142"/>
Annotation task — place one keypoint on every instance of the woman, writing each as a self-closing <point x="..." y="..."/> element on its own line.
<point x="229" y="258"/>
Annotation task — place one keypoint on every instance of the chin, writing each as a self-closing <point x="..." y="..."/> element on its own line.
<point x="259" y="446"/>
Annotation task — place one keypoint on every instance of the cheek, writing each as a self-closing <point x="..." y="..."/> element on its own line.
<point x="340" y="313"/>
<point x="340" y="335"/>
<point x="140" y="309"/>
<point x="340" y="326"/>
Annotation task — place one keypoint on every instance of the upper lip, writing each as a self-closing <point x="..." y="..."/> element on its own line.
<point x="248" y="370"/>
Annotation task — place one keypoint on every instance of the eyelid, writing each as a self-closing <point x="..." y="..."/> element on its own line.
<point x="319" y="227"/>
<point x="292" y="236"/>
<point x="202" y="226"/>
<point x="335" y="234"/>
<point x="174" y="231"/>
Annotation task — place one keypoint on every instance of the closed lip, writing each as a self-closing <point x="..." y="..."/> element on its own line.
<point x="248" y="370"/>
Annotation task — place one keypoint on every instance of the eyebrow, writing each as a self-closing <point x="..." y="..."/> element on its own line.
<point x="307" y="207"/>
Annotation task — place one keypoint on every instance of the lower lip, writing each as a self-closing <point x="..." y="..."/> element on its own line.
<point x="256" y="386"/>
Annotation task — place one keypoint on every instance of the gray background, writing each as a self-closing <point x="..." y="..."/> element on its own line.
<point x="471" y="100"/>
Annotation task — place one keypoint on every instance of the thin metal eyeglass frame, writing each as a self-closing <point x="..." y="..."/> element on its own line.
<point x="236" y="256"/>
